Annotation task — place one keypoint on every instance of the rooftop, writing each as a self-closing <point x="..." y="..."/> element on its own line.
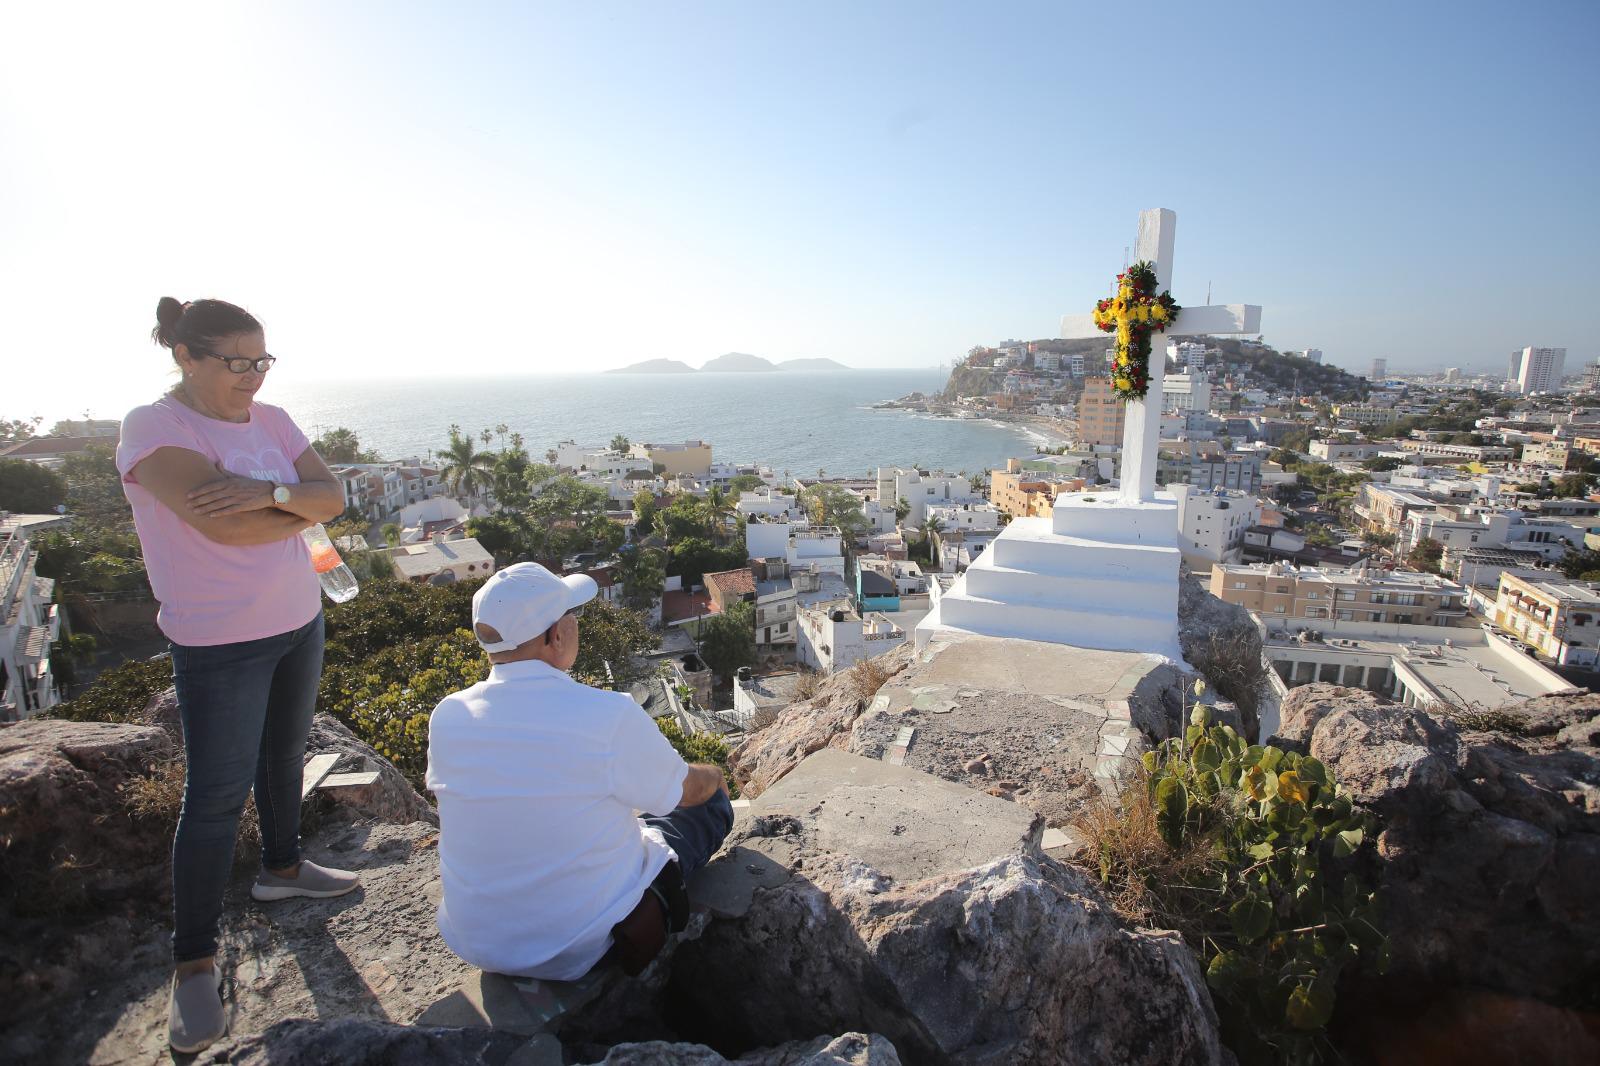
<point x="732" y="583"/>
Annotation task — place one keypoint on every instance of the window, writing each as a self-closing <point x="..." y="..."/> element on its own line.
<point x="1316" y="612"/>
<point x="1283" y="589"/>
<point x="1345" y="594"/>
<point x="1313" y="595"/>
<point x="1345" y="616"/>
<point x="1407" y="599"/>
<point x="1278" y="609"/>
<point x="1237" y="584"/>
<point x="783" y="627"/>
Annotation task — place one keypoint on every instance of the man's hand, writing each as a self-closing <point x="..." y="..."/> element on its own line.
<point x="230" y="494"/>
<point x="701" y="783"/>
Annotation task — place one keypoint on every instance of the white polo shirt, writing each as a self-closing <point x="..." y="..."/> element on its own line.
<point x="540" y="852"/>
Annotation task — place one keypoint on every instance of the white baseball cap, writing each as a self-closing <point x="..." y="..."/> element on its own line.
<point x="522" y="601"/>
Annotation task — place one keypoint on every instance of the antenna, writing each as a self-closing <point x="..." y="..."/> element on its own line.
<point x="1208" y="293"/>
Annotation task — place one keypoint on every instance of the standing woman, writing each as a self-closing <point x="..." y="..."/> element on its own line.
<point x="221" y="487"/>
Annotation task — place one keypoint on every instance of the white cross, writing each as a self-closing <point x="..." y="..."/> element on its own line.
<point x="1141" y="434"/>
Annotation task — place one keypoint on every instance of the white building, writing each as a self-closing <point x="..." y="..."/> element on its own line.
<point x="1344" y="451"/>
<point x="818" y="548"/>
<point x="1380" y="368"/>
<point x="415" y="518"/>
<point x="1075" y="364"/>
<point x="29" y="624"/>
<point x="919" y="489"/>
<point x="439" y="561"/>
<point x="769" y="503"/>
<point x="834" y="636"/>
<point x="972" y="516"/>
<point x="1189" y="356"/>
<point x="1183" y="393"/>
<point x="1313" y="355"/>
<point x="1048" y="361"/>
<point x="1211" y="525"/>
<point x="1537" y="369"/>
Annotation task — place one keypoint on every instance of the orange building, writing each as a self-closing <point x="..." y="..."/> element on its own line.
<point x="1101" y="413"/>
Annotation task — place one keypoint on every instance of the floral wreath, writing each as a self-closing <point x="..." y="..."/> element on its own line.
<point x="1133" y="314"/>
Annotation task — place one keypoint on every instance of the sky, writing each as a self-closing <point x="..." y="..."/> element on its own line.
<point x="412" y="190"/>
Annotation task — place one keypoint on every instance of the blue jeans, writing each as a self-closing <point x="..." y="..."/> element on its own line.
<point x="696" y="833"/>
<point x="246" y="710"/>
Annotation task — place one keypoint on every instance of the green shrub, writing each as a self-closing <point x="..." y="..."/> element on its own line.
<point x="1249" y="851"/>
<point x="118" y="694"/>
<point x="698" y="747"/>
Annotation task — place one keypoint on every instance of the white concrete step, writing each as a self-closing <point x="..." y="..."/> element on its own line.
<point x="1144" y="590"/>
<point x="1086" y="628"/>
<point x="1059" y="554"/>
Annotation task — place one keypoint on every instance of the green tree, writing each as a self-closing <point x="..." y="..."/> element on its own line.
<point x="1381" y="463"/>
<point x="391" y="534"/>
<point x="694" y="557"/>
<point x="1575" y="564"/>
<point x="902" y="507"/>
<point x="28" y="488"/>
<point x="834" y="505"/>
<point x="341" y="445"/>
<point x="644" y="510"/>
<point x="619" y="443"/>
<point x="643" y="574"/>
<point x="13" y="430"/>
<point x="466" y="469"/>
<point x="728" y="640"/>
<point x="745" y="483"/>
<point x="94" y="492"/>
<point x="685" y="518"/>
<point x="1426" y="555"/>
<point x="1572" y="486"/>
<point x="608" y="634"/>
<point x="503" y="536"/>
<point x="567" y="516"/>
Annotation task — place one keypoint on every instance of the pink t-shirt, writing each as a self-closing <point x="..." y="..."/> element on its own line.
<point x="214" y="593"/>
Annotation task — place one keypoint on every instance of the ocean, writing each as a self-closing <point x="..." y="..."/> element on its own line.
<point x="797" y="422"/>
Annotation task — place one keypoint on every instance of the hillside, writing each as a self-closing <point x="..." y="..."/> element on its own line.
<point x="739" y="363"/>
<point x="655" y="366"/>
<point x="1279" y="369"/>
<point x="811" y="364"/>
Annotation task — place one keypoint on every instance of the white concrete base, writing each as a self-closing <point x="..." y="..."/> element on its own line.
<point x="1101" y="574"/>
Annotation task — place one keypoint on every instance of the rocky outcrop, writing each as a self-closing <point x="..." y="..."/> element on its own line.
<point x="1046" y="725"/>
<point x="359" y="1042"/>
<point x="71" y="845"/>
<point x="1490" y="849"/>
<point x="1223" y="641"/>
<point x="977" y="951"/>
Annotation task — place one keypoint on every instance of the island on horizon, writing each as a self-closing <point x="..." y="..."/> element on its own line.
<point x="731" y="363"/>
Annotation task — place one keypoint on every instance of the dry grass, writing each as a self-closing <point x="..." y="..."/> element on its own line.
<point x="159" y="798"/>
<point x="1234" y="668"/>
<point x="808" y="684"/>
<point x="866" y="678"/>
<point x="1147" y="882"/>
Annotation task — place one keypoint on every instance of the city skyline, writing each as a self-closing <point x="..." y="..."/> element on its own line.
<point x="403" y="191"/>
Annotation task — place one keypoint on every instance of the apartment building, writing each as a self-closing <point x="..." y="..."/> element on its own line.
<point x="1559" y="618"/>
<point x="1276" y="590"/>
<point x="1344" y="451"/>
<point x="689" y="459"/>
<point x="1383" y="510"/>
<point x="1236" y="470"/>
<point x="1101" y="412"/>
<point x="1028" y="493"/>
<point x="1212" y="523"/>
<point x="921" y="489"/>
<point x="29" y="624"/>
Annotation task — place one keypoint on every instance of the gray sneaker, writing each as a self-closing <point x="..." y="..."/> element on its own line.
<point x="317" y="882"/>
<point x="195" y="1017"/>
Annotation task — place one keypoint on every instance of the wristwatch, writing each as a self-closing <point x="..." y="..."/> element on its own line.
<point x="280" y="494"/>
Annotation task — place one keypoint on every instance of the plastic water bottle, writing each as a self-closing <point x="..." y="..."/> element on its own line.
<point x="337" y="580"/>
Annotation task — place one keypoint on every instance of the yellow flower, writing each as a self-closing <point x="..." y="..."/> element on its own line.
<point x="1158" y="313"/>
<point x="1124" y="383"/>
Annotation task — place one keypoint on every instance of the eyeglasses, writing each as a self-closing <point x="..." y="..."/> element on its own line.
<point x="239" y="364"/>
<point x="577" y="612"/>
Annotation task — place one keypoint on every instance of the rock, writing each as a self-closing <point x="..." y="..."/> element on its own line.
<point x="389" y="799"/>
<point x="71" y="847"/>
<point x="364" y="1042"/>
<point x="820" y="722"/>
<point x="1489" y="838"/>
<point x="1059" y="724"/>
<point x="851" y="1049"/>
<point x="974" y="950"/>
<point x="1223" y="641"/>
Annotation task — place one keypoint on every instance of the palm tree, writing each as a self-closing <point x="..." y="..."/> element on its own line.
<point x="717" y="508"/>
<point x="466" y="470"/>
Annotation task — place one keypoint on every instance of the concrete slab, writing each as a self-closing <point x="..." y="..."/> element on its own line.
<point x="905" y="824"/>
<point x="993" y="664"/>
<point x="726" y="887"/>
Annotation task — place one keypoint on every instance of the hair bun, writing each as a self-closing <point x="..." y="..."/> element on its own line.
<point x="168" y="312"/>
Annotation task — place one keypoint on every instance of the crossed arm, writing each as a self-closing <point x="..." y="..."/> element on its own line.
<point x="229" y="509"/>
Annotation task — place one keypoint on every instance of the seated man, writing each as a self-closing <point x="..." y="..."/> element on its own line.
<point x="545" y="865"/>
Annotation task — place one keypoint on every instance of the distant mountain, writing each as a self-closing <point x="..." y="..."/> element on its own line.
<point x="738" y="362"/>
<point x="811" y="364"/>
<point x="655" y="366"/>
